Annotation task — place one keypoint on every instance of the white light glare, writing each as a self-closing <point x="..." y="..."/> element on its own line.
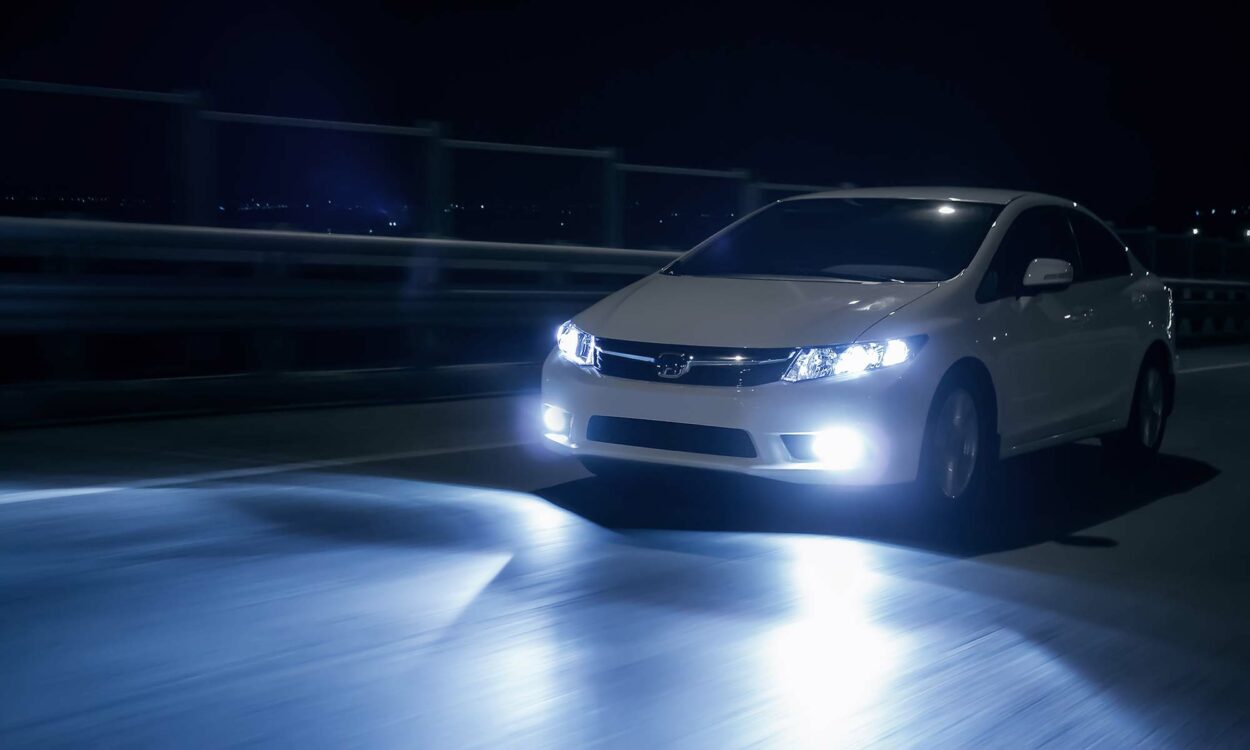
<point x="946" y="210"/>
<point x="823" y="361"/>
<point x="858" y="358"/>
<point x="838" y="448"/>
<point x="896" y="352"/>
<point x="556" y="420"/>
<point x="575" y="345"/>
<point x="1194" y="230"/>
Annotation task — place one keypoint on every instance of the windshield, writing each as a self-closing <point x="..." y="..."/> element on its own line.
<point x="853" y="239"/>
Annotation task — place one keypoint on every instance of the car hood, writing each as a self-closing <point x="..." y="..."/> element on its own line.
<point x="745" y="311"/>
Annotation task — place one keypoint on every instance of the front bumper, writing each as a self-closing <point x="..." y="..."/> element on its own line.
<point x="886" y="408"/>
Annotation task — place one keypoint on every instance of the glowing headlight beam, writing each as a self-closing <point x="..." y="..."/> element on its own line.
<point x="851" y="359"/>
<point x="575" y="345"/>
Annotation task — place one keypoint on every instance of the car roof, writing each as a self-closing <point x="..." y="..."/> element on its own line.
<point x="979" y="195"/>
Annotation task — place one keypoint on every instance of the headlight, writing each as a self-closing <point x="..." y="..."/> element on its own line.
<point x="851" y="359"/>
<point x="575" y="345"/>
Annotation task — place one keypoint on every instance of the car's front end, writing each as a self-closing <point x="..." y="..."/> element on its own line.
<point x="756" y="353"/>
<point x="736" y="411"/>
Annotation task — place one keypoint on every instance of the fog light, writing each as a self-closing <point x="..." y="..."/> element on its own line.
<point x="556" y="420"/>
<point x="838" y="448"/>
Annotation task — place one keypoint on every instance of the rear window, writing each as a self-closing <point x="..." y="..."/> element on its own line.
<point x="855" y="239"/>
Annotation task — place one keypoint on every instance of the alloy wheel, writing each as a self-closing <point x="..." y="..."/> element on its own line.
<point x="956" y="443"/>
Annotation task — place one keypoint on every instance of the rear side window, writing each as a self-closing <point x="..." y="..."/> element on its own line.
<point x="1040" y="232"/>
<point x="1102" y="255"/>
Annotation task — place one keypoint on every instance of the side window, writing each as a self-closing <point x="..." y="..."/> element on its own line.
<point x="1040" y="232"/>
<point x="1102" y="255"/>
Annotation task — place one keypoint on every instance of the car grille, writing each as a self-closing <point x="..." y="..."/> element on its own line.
<point x="671" y="436"/>
<point x="704" y="365"/>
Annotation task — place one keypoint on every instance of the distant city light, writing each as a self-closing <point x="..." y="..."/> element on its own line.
<point x="1194" y="230"/>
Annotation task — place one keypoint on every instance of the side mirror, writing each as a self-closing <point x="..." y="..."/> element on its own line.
<point x="1047" y="273"/>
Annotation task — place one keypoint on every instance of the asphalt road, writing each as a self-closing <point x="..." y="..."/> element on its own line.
<point x="427" y="576"/>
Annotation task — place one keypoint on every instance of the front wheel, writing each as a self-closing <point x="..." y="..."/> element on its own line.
<point x="1141" y="437"/>
<point x="957" y="455"/>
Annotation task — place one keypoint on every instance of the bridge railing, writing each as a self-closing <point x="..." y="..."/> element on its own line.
<point x="430" y="155"/>
<point x="101" y="319"/>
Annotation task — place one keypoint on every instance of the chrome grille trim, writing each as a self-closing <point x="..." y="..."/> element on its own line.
<point x="717" y="362"/>
<point x="703" y="365"/>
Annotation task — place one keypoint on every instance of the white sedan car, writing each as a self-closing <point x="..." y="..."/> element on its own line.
<point x="877" y="336"/>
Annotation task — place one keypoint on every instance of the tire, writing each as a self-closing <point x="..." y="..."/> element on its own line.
<point x="959" y="452"/>
<point x="1148" y="419"/>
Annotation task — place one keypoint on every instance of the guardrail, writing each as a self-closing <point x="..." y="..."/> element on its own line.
<point x="105" y="319"/>
<point x="1211" y="311"/>
<point x="433" y="153"/>
<point x="102" y="319"/>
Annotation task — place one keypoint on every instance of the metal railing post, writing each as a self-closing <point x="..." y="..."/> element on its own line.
<point x="195" y="181"/>
<point x="748" y="196"/>
<point x="1152" y="248"/>
<point x="612" y="203"/>
<point x="438" y="182"/>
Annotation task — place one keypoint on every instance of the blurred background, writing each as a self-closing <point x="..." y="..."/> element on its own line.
<point x="436" y="186"/>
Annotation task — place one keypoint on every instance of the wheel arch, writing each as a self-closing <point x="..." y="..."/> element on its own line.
<point x="973" y="372"/>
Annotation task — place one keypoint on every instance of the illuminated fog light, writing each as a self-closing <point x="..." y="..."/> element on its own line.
<point x="838" y="448"/>
<point x="556" y="420"/>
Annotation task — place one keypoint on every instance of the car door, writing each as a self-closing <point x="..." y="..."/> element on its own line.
<point x="1034" y="339"/>
<point x="1109" y="320"/>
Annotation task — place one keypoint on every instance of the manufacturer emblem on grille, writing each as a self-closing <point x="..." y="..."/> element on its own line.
<point x="671" y="365"/>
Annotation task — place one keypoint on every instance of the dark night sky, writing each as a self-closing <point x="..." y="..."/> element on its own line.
<point x="1136" y="114"/>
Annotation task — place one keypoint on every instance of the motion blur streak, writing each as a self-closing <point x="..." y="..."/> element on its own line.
<point x="252" y="471"/>
<point x="248" y="579"/>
